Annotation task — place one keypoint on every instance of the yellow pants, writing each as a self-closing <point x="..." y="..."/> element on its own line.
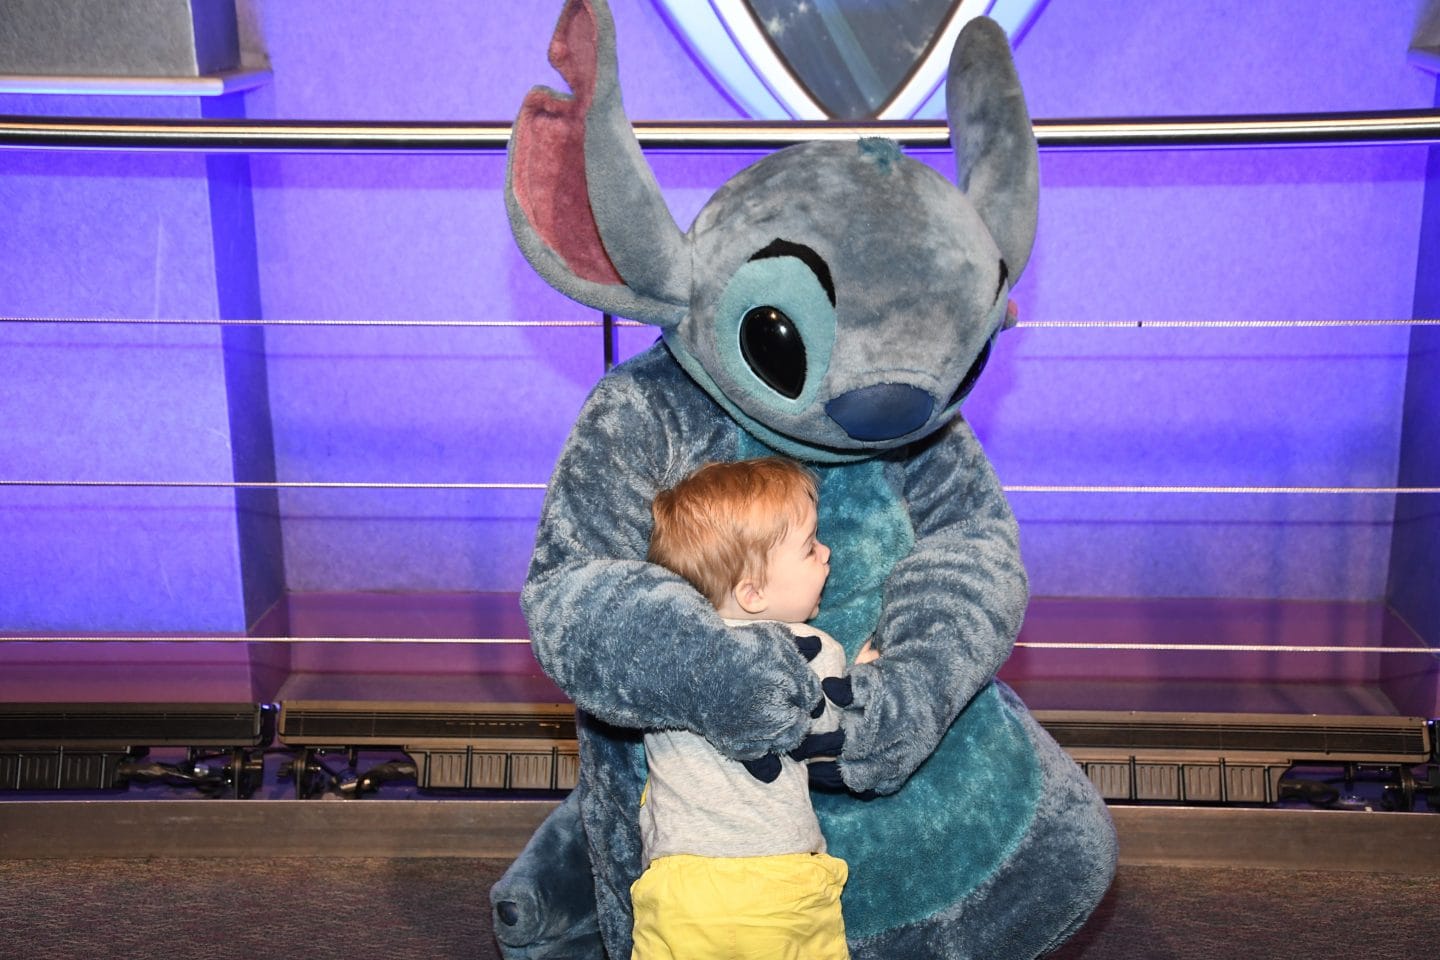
<point x="740" y="908"/>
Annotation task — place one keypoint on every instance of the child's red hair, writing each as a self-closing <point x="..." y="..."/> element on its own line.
<point x="718" y="525"/>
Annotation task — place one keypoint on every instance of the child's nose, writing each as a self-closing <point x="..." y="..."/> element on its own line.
<point x="824" y="552"/>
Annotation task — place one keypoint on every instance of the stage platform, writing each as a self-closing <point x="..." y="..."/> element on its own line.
<point x="437" y="909"/>
<point x="1282" y="839"/>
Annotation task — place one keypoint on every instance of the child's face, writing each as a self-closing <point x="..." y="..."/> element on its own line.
<point x="796" y="572"/>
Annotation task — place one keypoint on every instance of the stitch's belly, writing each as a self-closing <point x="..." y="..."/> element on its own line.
<point x="954" y="822"/>
<point x="972" y="802"/>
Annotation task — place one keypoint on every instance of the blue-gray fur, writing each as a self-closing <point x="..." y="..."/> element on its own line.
<point x="986" y="840"/>
<point x="882" y="221"/>
<point x="623" y="195"/>
<point x="551" y="912"/>
<point x="996" y="160"/>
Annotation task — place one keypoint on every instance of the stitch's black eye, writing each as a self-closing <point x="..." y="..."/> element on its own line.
<point x="972" y="375"/>
<point x="772" y="347"/>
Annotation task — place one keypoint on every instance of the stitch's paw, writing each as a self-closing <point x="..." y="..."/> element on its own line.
<point x="825" y="775"/>
<point x="820" y="745"/>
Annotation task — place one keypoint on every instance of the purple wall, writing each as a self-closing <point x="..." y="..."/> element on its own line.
<point x="1285" y="234"/>
<point x="425" y="239"/>
<point x="1212" y="235"/>
<point x="1175" y="57"/>
<point x="1277" y="234"/>
<point x="113" y="236"/>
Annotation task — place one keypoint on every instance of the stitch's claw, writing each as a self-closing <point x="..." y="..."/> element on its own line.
<point x="765" y="769"/>
<point x="809" y="647"/>
<point x="820" y="745"/>
<point x="839" y="690"/>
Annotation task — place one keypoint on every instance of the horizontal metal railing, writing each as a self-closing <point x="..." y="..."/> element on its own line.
<point x="217" y="84"/>
<point x="1091" y="646"/>
<point x="1157" y="324"/>
<point x="1192" y="489"/>
<point x="290" y="136"/>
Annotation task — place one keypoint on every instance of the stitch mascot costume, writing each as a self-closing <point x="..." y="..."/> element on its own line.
<point x="834" y="302"/>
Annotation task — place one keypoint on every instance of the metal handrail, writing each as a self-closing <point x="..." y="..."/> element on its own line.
<point x="1092" y="646"/>
<point x="290" y="136"/>
<point x="1069" y="488"/>
<point x="606" y="321"/>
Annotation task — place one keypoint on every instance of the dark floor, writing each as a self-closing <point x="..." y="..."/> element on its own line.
<point x="1170" y="913"/>
<point x="316" y="909"/>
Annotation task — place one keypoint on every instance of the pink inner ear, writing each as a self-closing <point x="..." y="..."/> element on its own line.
<point x="549" y="153"/>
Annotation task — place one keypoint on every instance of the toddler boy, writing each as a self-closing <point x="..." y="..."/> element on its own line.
<point x="735" y="864"/>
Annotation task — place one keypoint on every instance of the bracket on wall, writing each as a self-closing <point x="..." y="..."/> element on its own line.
<point x="1425" y="43"/>
<point x="182" y="48"/>
<point x="209" y="85"/>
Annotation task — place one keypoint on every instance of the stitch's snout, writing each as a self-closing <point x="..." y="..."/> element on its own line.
<point x="883" y="411"/>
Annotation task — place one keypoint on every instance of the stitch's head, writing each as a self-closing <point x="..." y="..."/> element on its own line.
<point x="837" y="298"/>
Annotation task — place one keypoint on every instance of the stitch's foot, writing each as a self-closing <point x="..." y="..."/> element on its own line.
<point x="543" y="907"/>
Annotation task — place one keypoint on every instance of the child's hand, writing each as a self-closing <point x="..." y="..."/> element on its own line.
<point x="867" y="653"/>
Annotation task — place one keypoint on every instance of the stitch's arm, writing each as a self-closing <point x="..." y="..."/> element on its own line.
<point x="630" y="642"/>
<point x="952" y="610"/>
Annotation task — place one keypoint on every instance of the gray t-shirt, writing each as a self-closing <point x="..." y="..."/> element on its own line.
<point x="702" y="803"/>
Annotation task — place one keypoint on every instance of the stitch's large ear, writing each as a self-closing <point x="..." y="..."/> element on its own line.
<point x="584" y="205"/>
<point x="995" y="154"/>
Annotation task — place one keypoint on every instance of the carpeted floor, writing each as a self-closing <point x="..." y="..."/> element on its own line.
<point x="1172" y="913"/>
<point x="317" y="909"/>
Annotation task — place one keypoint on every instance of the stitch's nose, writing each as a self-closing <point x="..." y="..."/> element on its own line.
<point x="883" y="411"/>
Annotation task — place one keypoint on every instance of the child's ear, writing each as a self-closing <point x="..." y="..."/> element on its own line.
<point x="750" y="597"/>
